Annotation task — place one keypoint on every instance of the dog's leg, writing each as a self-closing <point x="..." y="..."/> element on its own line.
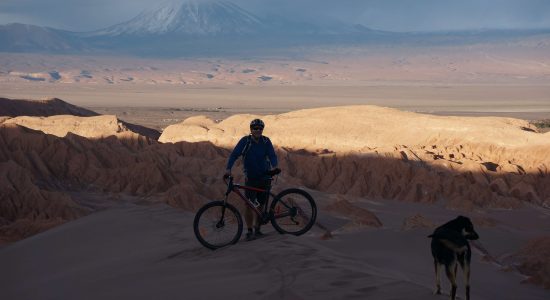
<point x="464" y="265"/>
<point x="437" y="278"/>
<point x="456" y="269"/>
<point x="466" y="270"/>
<point x="449" y="269"/>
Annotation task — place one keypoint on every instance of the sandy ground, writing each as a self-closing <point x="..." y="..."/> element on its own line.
<point x="146" y="252"/>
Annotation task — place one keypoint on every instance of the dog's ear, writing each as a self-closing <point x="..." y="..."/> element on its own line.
<point x="468" y="231"/>
<point x="462" y="218"/>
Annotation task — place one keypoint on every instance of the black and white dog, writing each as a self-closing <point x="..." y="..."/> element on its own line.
<point x="449" y="247"/>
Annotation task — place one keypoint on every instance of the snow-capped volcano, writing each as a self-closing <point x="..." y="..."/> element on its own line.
<point x="188" y="17"/>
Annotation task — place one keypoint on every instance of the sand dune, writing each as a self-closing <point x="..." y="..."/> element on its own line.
<point x="482" y="63"/>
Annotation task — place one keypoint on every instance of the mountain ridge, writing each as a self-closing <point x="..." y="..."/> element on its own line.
<point x="188" y="17"/>
<point x="190" y="27"/>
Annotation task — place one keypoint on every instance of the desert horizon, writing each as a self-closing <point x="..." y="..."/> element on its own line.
<point x="174" y="104"/>
<point x="499" y="79"/>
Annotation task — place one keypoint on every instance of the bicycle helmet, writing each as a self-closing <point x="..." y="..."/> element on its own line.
<point x="256" y="123"/>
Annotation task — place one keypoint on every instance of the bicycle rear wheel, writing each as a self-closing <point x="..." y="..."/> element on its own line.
<point x="218" y="224"/>
<point x="293" y="211"/>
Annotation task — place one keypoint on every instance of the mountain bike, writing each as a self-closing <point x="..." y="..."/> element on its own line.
<point x="218" y="223"/>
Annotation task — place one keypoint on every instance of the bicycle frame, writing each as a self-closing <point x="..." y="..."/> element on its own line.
<point x="264" y="217"/>
<point x="236" y="188"/>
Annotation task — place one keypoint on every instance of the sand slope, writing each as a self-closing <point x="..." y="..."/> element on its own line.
<point x="149" y="252"/>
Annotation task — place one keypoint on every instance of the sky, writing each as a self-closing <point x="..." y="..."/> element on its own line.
<point x="391" y="15"/>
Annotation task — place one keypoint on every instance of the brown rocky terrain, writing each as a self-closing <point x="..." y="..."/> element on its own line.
<point x="43" y="166"/>
<point x="368" y="152"/>
<point x="417" y="221"/>
<point x="371" y="151"/>
<point x="90" y="127"/>
<point x="357" y="216"/>
<point x="465" y="163"/>
<point x="62" y="118"/>
<point x="532" y="260"/>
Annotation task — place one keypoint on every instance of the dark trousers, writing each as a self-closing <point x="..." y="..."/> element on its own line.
<point x="258" y="183"/>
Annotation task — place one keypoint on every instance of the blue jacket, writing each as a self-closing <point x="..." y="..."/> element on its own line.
<point x="259" y="157"/>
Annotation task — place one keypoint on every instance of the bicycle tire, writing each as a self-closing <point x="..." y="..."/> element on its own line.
<point x="207" y="225"/>
<point x="287" y="221"/>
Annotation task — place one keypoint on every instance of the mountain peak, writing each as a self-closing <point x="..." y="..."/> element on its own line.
<point x="188" y="17"/>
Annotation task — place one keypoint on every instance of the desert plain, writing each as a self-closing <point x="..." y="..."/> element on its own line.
<point x="390" y="145"/>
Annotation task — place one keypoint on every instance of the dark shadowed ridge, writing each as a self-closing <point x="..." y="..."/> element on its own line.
<point x="43" y="108"/>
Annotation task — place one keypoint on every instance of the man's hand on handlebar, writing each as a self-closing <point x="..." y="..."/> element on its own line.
<point x="274" y="171"/>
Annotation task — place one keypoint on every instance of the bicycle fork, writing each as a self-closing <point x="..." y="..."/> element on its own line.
<point x="221" y="222"/>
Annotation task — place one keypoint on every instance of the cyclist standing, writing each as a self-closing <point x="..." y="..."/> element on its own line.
<point x="258" y="158"/>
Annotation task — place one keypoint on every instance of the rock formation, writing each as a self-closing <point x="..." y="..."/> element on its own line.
<point x="61" y="118"/>
<point x="532" y="260"/>
<point x="463" y="163"/>
<point x="380" y="152"/>
<point x="357" y="216"/>
<point x="417" y="221"/>
<point x="61" y="125"/>
<point x="44" y="170"/>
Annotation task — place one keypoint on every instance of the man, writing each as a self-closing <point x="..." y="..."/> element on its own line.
<point x="258" y="158"/>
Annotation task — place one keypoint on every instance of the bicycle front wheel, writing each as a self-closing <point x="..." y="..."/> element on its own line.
<point x="218" y="224"/>
<point x="293" y="211"/>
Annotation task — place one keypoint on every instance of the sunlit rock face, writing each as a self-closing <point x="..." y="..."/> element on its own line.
<point x="381" y="152"/>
